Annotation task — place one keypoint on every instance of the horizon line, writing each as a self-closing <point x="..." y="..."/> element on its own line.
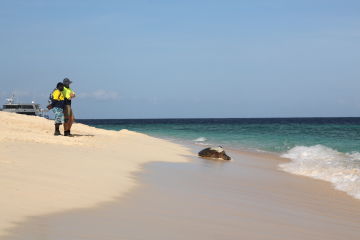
<point x="189" y="118"/>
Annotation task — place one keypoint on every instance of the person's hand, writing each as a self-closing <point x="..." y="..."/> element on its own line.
<point x="72" y="95"/>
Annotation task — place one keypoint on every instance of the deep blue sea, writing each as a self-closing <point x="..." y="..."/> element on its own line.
<point x="323" y="148"/>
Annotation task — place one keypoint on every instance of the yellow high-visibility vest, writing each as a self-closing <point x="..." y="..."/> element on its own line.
<point x="67" y="93"/>
<point x="58" y="95"/>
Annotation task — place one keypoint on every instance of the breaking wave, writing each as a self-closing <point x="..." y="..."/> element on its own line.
<point x="200" y="139"/>
<point x="321" y="162"/>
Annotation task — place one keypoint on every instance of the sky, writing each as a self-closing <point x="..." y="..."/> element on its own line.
<point x="185" y="59"/>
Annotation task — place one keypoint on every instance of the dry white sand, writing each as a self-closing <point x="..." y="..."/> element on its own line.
<point x="43" y="174"/>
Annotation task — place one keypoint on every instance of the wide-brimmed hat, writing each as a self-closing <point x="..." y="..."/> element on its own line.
<point x="66" y="81"/>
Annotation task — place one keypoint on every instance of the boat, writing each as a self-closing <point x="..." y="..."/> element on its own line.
<point x="32" y="108"/>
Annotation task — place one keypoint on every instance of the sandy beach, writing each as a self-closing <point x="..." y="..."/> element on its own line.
<point x="42" y="174"/>
<point x="125" y="185"/>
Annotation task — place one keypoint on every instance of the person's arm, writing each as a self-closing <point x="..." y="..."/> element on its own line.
<point x="72" y="94"/>
<point x="56" y="97"/>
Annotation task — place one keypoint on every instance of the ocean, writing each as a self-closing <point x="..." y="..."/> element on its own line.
<point x="321" y="148"/>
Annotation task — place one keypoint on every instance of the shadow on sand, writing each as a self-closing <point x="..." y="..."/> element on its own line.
<point x="82" y="135"/>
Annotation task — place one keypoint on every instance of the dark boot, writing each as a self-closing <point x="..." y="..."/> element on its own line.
<point x="57" y="130"/>
<point x="67" y="133"/>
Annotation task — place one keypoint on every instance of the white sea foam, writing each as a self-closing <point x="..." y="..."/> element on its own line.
<point x="321" y="162"/>
<point x="202" y="144"/>
<point x="200" y="139"/>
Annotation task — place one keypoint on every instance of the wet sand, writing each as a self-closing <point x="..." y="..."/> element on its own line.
<point x="246" y="198"/>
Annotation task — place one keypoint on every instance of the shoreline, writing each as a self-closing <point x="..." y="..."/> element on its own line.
<point x="285" y="164"/>
<point x="159" y="187"/>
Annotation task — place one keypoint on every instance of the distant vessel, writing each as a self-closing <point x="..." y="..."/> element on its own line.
<point x="24" y="108"/>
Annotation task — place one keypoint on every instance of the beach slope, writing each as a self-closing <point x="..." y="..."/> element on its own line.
<point x="42" y="174"/>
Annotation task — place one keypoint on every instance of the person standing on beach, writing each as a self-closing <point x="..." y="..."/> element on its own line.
<point x="68" y="113"/>
<point x="57" y="105"/>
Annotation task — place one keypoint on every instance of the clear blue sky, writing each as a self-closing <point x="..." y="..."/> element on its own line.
<point x="164" y="59"/>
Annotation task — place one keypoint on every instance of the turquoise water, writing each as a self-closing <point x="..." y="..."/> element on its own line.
<point x="321" y="148"/>
<point x="275" y="135"/>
